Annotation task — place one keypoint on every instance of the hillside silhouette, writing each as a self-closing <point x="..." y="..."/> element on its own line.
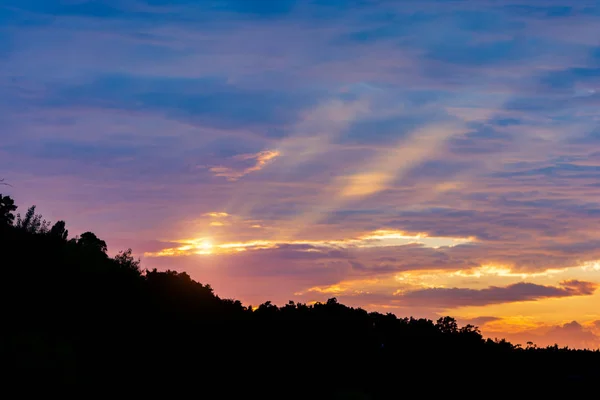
<point x="75" y="319"/>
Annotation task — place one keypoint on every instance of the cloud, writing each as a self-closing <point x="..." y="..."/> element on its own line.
<point x="336" y="120"/>
<point x="411" y="151"/>
<point x="258" y="161"/>
<point x="217" y="214"/>
<point x="378" y="173"/>
<point x="479" y="321"/>
<point x="572" y="334"/>
<point x="459" y="297"/>
<point x="368" y="241"/>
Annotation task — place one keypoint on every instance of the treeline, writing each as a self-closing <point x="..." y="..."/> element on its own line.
<point x="74" y="319"/>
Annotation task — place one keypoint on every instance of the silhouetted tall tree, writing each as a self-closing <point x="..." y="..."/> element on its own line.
<point x="125" y="260"/>
<point x="59" y="230"/>
<point x="90" y="241"/>
<point x="447" y="325"/>
<point x="7" y="207"/>
<point x="32" y="222"/>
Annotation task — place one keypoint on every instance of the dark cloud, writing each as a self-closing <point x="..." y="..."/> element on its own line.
<point x="486" y="225"/>
<point x="458" y="297"/>
<point x="479" y="321"/>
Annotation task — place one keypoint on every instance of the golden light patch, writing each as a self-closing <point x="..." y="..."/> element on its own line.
<point x="365" y="184"/>
<point x="216" y="214"/>
<point x="504" y="271"/>
<point x="202" y="246"/>
<point x="550" y="310"/>
<point x="448" y="186"/>
<point x="391" y="238"/>
<point x="333" y="289"/>
<point x="348" y="288"/>
<point x="378" y="238"/>
<point x="591" y="266"/>
<point x="420" y="279"/>
<point x="513" y="324"/>
<point x="379" y="172"/>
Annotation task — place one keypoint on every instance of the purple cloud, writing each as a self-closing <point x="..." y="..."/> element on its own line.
<point x="135" y="119"/>
<point x="460" y="297"/>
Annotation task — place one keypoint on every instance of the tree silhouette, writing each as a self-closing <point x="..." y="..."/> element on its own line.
<point x="32" y="222"/>
<point x="59" y="230"/>
<point x="7" y="207"/>
<point x="447" y="325"/>
<point x="74" y="318"/>
<point x="89" y="240"/>
<point x="125" y="260"/>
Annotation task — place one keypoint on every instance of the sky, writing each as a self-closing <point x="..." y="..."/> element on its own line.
<point x="424" y="158"/>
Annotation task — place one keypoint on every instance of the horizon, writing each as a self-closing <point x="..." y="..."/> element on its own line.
<point x="425" y="158"/>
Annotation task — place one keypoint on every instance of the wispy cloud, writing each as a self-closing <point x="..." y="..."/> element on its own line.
<point x="258" y="161"/>
<point x="344" y="153"/>
<point x="393" y="164"/>
<point x="216" y="214"/>
<point x="376" y="239"/>
<point x="459" y="297"/>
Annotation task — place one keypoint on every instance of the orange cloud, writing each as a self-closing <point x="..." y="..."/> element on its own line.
<point x="258" y="160"/>
<point x="216" y="214"/>
<point x="572" y="334"/>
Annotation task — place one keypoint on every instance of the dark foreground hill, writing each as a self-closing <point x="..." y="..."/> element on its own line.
<point x="77" y="321"/>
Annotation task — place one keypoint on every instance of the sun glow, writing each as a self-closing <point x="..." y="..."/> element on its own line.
<point x="205" y="247"/>
<point x="202" y="246"/>
<point x="374" y="239"/>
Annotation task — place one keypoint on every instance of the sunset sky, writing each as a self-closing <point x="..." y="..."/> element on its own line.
<point x="424" y="158"/>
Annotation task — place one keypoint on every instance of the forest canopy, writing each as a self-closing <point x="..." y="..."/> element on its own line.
<point x="74" y="317"/>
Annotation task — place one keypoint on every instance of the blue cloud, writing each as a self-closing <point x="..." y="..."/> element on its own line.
<point x="567" y="79"/>
<point x="591" y="138"/>
<point x="540" y="11"/>
<point x="156" y="92"/>
<point x="498" y="52"/>
<point x="484" y="21"/>
<point x="208" y="99"/>
<point x="255" y="7"/>
<point x="438" y="170"/>
<point x="387" y="130"/>
<point x="93" y="8"/>
<point x="88" y="152"/>
<point x="572" y="171"/>
<point x="482" y="138"/>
